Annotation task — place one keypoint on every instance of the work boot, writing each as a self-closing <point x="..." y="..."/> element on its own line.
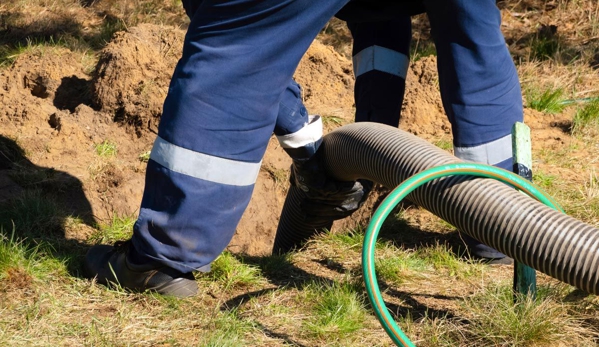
<point x="498" y="261"/>
<point x="109" y="264"/>
<point x="485" y="254"/>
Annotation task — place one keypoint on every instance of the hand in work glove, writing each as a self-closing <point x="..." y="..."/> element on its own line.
<point x="326" y="197"/>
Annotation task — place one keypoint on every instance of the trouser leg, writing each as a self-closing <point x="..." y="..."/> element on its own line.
<point x="299" y="134"/>
<point x="221" y="109"/>
<point x="380" y="59"/>
<point x="479" y="84"/>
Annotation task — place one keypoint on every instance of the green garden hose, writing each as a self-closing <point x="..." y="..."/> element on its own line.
<point x="397" y="195"/>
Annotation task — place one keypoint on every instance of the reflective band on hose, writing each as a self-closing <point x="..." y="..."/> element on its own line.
<point x="381" y="59"/>
<point x="491" y="153"/>
<point x="204" y="166"/>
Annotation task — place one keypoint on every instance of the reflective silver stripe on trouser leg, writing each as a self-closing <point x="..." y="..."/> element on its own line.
<point x="191" y="206"/>
<point x="380" y="59"/>
<point x="490" y="153"/>
<point x="204" y="166"/>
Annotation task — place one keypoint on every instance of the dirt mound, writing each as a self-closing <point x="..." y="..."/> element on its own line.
<point x="133" y="74"/>
<point x="326" y="78"/>
<point x="422" y="112"/>
<point x="41" y="83"/>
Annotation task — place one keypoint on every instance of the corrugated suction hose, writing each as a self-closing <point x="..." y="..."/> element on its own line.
<point x="492" y="212"/>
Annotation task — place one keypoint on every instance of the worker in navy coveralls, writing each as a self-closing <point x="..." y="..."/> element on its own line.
<point x="233" y="88"/>
<point x="477" y="78"/>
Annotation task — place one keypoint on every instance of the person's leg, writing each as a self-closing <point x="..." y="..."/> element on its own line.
<point x="479" y="84"/>
<point x="238" y="60"/>
<point x="380" y="58"/>
<point x="220" y="111"/>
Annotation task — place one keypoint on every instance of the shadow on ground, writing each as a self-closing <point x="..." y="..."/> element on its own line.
<point x="42" y="205"/>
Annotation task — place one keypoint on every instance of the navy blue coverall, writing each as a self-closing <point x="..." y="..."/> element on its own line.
<point x="233" y="88"/>
<point x="477" y="78"/>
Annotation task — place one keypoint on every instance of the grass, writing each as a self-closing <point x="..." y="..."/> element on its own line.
<point x="442" y="258"/>
<point x="548" y="101"/>
<point x="105" y="149"/>
<point x="81" y="26"/>
<point x="119" y="228"/>
<point x="22" y="262"/>
<point x="498" y="321"/>
<point x="543" y="180"/>
<point x="544" y="47"/>
<point x="232" y="273"/>
<point x="145" y="156"/>
<point x="228" y="330"/>
<point x="421" y="49"/>
<point x="586" y="119"/>
<point x="279" y="176"/>
<point x="332" y="121"/>
<point x="338" y="309"/>
<point x="350" y="240"/>
<point x="399" y="267"/>
<point x="32" y="214"/>
<point x="444" y="144"/>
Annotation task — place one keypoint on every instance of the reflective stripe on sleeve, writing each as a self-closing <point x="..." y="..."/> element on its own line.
<point x="491" y="153"/>
<point x="380" y="59"/>
<point x="204" y="166"/>
<point x="310" y="133"/>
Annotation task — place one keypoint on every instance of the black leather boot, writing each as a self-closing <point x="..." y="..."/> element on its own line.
<point x="109" y="264"/>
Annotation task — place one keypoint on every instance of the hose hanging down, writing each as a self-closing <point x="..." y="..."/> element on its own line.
<point x="492" y="212"/>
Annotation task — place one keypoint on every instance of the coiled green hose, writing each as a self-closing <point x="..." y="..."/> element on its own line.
<point x="398" y="194"/>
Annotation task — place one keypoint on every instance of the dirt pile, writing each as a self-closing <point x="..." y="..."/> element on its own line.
<point x="132" y="76"/>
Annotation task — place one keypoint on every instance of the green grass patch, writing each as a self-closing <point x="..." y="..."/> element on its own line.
<point x="119" y="228"/>
<point x="338" y="309"/>
<point x="544" y="48"/>
<point x="279" y="176"/>
<point x="422" y="49"/>
<point x="446" y="145"/>
<point x="497" y="321"/>
<point x="10" y="52"/>
<point x="350" y="240"/>
<point x="145" y="156"/>
<point x="586" y="119"/>
<point x="21" y="261"/>
<point x="400" y="266"/>
<point x="442" y="258"/>
<point x="279" y="266"/>
<point x="227" y="329"/>
<point x="543" y="180"/>
<point x="231" y="273"/>
<point x="548" y="101"/>
<point x="28" y="177"/>
<point x="105" y="149"/>
<point x="329" y="120"/>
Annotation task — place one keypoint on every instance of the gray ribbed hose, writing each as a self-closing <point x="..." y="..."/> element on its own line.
<point x="497" y="215"/>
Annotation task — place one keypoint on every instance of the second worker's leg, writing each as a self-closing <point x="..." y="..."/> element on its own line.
<point x="479" y="85"/>
<point x="380" y="58"/>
